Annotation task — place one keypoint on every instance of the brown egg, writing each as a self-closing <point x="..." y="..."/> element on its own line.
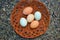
<point x="34" y="24"/>
<point x="30" y="17"/>
<point x="27" y="10"/>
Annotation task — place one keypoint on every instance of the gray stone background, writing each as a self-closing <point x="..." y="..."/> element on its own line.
<point x="7" y="32"/>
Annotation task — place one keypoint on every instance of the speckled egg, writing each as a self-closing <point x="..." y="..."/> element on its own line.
<point x="27" y="10"/>
<point x="37" y="15"/>
<point x="34" y="24"/>
<point x="30" y="17"/>
<point x="23" y="22"/>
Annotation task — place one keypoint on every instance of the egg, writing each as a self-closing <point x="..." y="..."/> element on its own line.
<point x="37" y="15"/>
<point x="23" y="22"/>
<point x="27" y="10"/>
<point x="30" y="17"/>
<point x="34" y="24"/>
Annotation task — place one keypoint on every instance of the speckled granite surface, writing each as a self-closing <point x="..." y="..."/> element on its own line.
<point x="7" y="32"/>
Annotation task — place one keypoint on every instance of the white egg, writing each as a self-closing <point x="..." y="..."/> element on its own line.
<point x="23" y="22"/>
<point x="30" y="17"/>
<point x="37" y="15"/>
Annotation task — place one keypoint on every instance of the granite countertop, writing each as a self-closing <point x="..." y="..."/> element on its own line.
<point x="7" y="32"/>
